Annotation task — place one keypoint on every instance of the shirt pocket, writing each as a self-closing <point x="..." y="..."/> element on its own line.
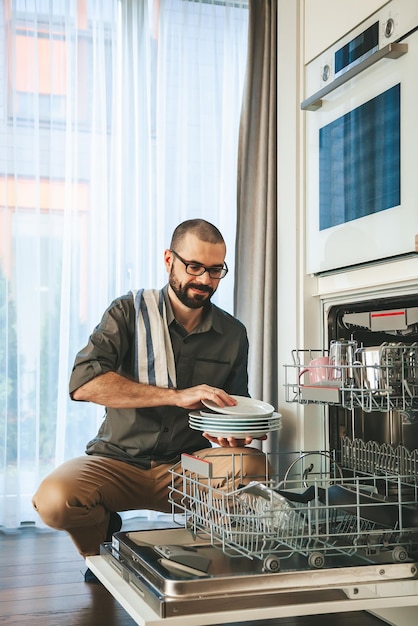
<point x="210" y="371"/>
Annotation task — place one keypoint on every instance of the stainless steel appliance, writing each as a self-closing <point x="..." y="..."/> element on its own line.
<point x="373" y="401"/>
<point x="388" y="413"/>
<point x="255" y="541"/>
<point x="336" y="531"/>
<point x="168" y="569"/>
<point x="361" y="143"/>
<point x="370" y="401"/>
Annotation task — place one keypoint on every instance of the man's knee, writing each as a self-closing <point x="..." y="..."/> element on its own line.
<point x="243" y="464"/>
<point x="51" y="503"/>
<point x="255" y="464"/>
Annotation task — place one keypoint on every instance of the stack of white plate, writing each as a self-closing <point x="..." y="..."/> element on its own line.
<point x="247" y="418"/>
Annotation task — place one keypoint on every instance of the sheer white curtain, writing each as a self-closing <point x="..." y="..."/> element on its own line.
<point x="118" y="119"/>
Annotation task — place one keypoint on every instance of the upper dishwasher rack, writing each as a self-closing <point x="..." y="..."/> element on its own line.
<point x="393" y="384"/>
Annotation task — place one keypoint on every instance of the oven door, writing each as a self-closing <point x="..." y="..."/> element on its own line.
<point x="362" y="154"/>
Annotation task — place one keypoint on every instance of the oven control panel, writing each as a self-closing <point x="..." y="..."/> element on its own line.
<point x="387" y="26"/>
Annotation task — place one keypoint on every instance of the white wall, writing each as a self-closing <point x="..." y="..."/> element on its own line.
<point x="299" y="312"/>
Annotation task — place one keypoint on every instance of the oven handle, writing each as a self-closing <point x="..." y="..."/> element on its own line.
<point x="390" y="51"/>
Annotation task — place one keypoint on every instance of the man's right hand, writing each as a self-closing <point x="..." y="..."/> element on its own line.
<point x="192" y="398"/>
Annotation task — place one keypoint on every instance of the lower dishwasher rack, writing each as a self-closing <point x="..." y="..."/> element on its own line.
<point x="318" y="515"/>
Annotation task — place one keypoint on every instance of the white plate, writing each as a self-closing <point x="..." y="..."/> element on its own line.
<point x="208" y="427"/>
<point x="229" y="432"/>
<point x="236" y="420"/>
<point x="238" y="416"/>
<point x="227" y="421"/>
<point x="238" y="425"/>
<point x="236" y="435"/>
<point x="233" y="418"/>
<point x="244" y="406"/>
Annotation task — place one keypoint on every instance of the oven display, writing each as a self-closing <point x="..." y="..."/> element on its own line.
<point x="357" y="49"/>
<point x="359" y="161"/>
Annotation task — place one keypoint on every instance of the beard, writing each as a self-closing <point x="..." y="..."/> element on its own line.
<point x="194" y="301"/>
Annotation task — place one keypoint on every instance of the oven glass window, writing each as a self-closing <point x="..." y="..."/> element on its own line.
<point x="359" y="161"/>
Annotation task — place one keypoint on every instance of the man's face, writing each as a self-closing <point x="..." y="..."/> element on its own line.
<point x="194" y="291"/>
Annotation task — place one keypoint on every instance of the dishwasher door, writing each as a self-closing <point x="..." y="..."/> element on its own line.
<point x="161" y="566"/>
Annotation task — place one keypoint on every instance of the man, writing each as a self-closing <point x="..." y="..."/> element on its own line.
<point x="154" y="357"/>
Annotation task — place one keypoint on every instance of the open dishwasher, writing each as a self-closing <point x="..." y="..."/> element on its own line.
<point x="312" y="538"/>
<point x="337" y="530"/>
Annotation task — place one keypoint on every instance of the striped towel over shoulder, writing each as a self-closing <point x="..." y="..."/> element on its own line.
<point x="154" y="358"/>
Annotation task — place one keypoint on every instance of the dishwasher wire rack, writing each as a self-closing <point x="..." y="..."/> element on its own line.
<point x="317" y="515"/>
<point x="396" y="376"/>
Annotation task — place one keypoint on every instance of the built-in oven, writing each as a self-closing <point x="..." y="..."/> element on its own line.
<point x="362" y="143"/>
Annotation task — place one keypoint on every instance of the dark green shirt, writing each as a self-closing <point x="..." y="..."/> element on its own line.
<point x="215" y="353"/>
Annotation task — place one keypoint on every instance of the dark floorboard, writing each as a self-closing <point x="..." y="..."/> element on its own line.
<point x="42" y="584"/>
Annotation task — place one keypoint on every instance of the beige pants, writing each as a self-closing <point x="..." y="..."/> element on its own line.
<point x="80" y="494"/>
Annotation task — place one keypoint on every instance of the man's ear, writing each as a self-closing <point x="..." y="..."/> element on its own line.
<point x="168" y="259"/>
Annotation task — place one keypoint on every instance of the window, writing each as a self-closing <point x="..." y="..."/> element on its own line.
<point x="118" y="120"/>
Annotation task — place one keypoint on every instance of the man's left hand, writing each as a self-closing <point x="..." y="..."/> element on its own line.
<point x="231" y="442"/>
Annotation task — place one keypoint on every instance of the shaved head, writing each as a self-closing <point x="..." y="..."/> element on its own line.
<point x="205" y="231"/>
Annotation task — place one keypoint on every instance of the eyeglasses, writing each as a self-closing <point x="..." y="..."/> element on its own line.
<point x="195" y="269"/>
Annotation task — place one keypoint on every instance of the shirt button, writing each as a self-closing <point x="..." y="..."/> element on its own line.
<point x="165" y="430"/>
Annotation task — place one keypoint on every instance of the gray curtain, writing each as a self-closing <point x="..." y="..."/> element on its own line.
<point x="255" y="297"/>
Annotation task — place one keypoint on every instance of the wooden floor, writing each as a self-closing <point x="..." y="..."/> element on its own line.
<point x="42" y="584"/>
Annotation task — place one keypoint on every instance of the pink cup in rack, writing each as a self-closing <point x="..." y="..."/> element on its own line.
<point x="319" y="370"/>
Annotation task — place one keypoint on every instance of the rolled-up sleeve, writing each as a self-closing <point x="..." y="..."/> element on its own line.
<point x="110" y="346"/>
